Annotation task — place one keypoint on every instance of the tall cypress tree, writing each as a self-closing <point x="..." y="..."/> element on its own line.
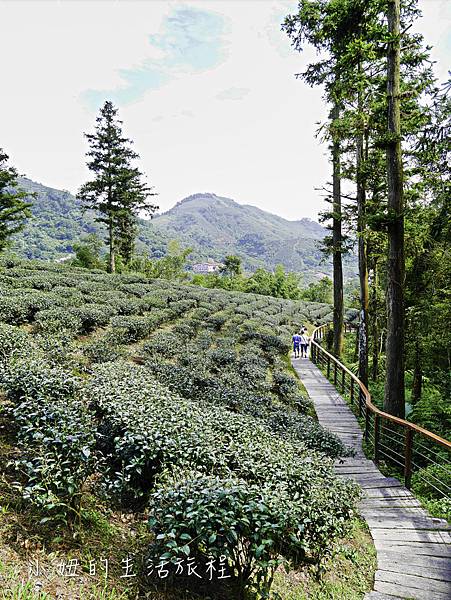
<point x="337" y="238"/>
<point x="394" y="400"/>
<point x="117" y="193"/>
<point x="14" y="210"/>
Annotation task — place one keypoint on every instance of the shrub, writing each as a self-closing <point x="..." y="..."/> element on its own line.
<point x="432" y="482"/>
<point x="102" y="350"/>
<point x="13" y="342"/>
<point x="257" y="527"/>
<point x="211" y="517"/>
<point x="58" y="319"/>
<point x="131" y="328"/>
<point x="161" y="344"/>
<point x="92" y="316"/>
<point x="54" y="434"/>
<point x="13" y="311"/>
<point x="221" y="357"/>
<point x="285" y="385"/>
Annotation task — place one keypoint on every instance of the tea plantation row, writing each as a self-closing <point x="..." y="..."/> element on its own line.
<point x="172" y="399"/>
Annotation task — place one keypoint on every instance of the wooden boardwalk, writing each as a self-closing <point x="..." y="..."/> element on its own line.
<point x="413" y="549"/>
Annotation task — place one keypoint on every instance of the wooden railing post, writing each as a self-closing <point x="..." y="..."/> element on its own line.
<point x="367" y="424"/>
<point x="408" y="457"/>
<point x="328" y="367"/>
<point x="377" y="433"/>
<point x="352" y="391"/>
<point x="343" y="381"/>
<point x="335" y="372"/>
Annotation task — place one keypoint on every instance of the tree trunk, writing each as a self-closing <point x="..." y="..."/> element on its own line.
<point x="111" y="260"/>
<point x="363" y="260"/>
<point x="394" y="401"/>
<point x="375" y="325"/>
<point x="337" y="243"/>
<point x="356" y="346"/>
<point x="417" y="383"/>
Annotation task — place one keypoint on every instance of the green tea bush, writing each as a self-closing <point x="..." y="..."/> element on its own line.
<point x="13" y="342"/>
<point x="92" y="316"/>
<point x="13" y="311"/>
<point x="136" y="289"/>
<point x="56" y="347"/>
<point x="221" y="357"/>
<point x="132" y="328"/>
<point x="257" y="527"/>
<point x="54" y="434"/>
<point x="104" y="349"/>
<point x="58" y="319"/>
<point x="144" y="429"/>
<point x="162" y="344"/>
<point x="285" y="385"/>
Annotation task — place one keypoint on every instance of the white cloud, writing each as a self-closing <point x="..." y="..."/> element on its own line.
<point x="259" y="149"/>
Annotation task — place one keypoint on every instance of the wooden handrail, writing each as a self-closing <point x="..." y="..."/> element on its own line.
<point x="369" y="405"/>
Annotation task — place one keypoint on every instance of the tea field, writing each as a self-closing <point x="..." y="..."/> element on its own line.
<point x="176" y="408"/>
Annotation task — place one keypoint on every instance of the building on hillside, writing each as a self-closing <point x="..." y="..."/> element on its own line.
<point x="208" y="267"/>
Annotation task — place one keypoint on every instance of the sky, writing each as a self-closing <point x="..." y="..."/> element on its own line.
<point x="206" y="90"/>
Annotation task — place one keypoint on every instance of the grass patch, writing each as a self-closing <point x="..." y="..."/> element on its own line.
<point x="348" y="574"/>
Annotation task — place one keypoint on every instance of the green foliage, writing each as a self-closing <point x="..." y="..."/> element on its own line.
<point x="55" y="437"/>
<point x="172" y="266"/>
<point x="432" y="411"/>
<point x="277" y="284"/>
<point x="88" y="253"/>
<point x="319" y="292"/>
<point x="13" y="342"/>
<point x="432" y="482"/>
<point x="13" y="207"/>
<point x="255" y="527"/>
<point x="232" y="265"/>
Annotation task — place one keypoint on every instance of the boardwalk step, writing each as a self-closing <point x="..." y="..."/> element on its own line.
<point x="378" y="596"/>
<point x="415" y="582"/>
<point x="408" y="548"/>
<point x="405" y="521"/>
<point x="403" y="591"/>
<point x="426" y="571"/>
<point x="421" y="560"/>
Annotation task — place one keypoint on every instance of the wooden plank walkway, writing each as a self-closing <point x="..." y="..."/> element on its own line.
<point x="413" y="549"/>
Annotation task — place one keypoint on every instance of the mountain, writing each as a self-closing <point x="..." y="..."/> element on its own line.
<point x="212" y="225"/>
<point x="221" y="226"/>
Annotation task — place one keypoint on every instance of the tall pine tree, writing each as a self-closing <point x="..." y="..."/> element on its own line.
<point x="117" y="192"/>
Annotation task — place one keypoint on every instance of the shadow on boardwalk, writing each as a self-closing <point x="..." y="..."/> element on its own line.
<point x="413" y="549"/>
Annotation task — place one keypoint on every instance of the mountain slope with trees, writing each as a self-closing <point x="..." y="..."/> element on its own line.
<point x="213" y="226"/>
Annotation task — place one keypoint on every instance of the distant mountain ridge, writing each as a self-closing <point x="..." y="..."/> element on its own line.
<point x="212" y="225"/>
<point x="259" y="237"/>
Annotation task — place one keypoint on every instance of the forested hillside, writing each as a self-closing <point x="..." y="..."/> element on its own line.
<point x="221" y="226"/>
<point x="214" y="227"/>
<point x="58" y="222"/>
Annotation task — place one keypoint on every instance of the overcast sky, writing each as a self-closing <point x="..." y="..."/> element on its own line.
<point x="206" y="90"/>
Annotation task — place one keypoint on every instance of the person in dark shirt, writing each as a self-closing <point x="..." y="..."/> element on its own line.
<point x="296" y="344"/>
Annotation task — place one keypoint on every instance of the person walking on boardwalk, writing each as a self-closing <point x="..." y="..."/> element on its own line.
<point x="304" y="343"/>
<point x="296" y="344"/>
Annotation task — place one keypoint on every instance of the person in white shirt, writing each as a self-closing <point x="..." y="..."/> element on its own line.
<point x="304" y="343"/>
